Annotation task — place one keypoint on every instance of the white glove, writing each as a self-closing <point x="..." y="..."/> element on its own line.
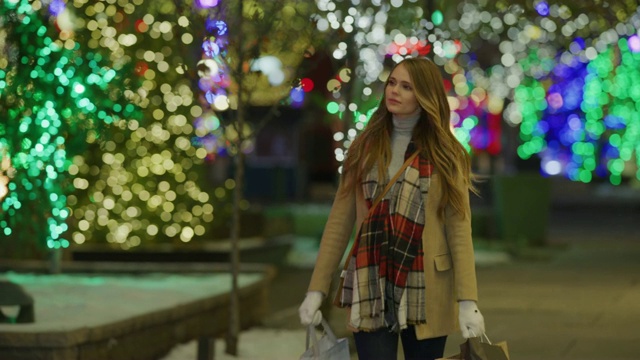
<point x="470" y="318"/>
<point x="309" y="310"/>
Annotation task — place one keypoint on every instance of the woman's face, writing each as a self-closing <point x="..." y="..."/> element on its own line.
<point x="399" y="96"/>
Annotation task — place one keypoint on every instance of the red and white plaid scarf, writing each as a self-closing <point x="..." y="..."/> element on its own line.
<point x="387" y="266"/>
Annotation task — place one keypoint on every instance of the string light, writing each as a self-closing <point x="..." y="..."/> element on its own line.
<point x="48" y="110"/>
<point x="124" y="95"/>
<point x="539" y="44"/>
<point x="372" y="35"/>
<point x="578" y="110"/>
<point x="146" y="184"/>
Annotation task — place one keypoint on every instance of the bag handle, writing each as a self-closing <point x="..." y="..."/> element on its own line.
<point x="486" y="337"/>
<point x="312" y="334"/>
<point x="483" y="336"/>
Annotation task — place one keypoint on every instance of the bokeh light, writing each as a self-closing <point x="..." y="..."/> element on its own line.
<point x="137" y="179"/>
<point x="50" y="112"/>
<point x="553" y="70"/>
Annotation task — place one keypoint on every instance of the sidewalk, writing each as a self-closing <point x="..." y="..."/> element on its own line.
<point x="582" y="305"/>
<point x="579" y="301"/>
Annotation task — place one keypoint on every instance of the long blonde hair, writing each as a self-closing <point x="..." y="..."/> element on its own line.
<point x="432" y="136"/>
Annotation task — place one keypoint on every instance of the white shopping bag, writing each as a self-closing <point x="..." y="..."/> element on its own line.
<point x="328" y="347"/>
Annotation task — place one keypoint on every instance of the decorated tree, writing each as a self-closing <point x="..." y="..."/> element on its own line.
<point x="497" y="53"/>
<point x="562" y="72"/>
<point x="49" y="112"/>
<point x="147" y="184"/>
<point x="373" y="35"/>
<point x="150" y="182"/>
<point x="250" y="58"/>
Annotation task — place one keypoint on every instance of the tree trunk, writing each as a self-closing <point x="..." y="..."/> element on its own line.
<point x="55" y="260"/>
<point x="353" y="60"/>
<point x="234" y="310"/>
<point x="234" y="306"/>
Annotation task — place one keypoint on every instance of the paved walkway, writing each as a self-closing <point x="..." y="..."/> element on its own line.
<point x="578" y="298"/>
<point x="584" y="304"/>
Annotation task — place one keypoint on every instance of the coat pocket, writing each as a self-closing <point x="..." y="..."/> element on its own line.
<point x="443" y="262"/>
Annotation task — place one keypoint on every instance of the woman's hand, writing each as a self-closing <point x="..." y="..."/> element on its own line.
<point x="309" y="310"/>
<point x="470" y="318"/>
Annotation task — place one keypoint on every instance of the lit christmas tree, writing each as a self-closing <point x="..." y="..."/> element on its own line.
<point x="55" y="95"/>
<point x="147" y="184"/>
<point x="503" y="58"/>
<point x="369" y="37"/>
<point x="564" y="70"/>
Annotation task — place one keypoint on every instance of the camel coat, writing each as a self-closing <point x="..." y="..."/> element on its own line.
<point x="449" y="266"/>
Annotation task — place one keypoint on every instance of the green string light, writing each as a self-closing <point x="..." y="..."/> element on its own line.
<point x="611" y="89"/>
<point x="609" y="114"/>
<point x="44" y="101"/>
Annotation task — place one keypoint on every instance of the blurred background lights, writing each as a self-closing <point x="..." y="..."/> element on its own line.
<point x="306" y="84"/>
<point x="542" y="7"/>
<point x="206" y="3"/>
<point x="65" y="20"/>
<point x="56" y="7"/>
<point x="271" y="66"/>
<point x="143" y="172"/>
<point x="108" y="104"/>
<point x="52" y="112"/>
<point x="552" y="167"/>
<point x="437" y="17"/>
<point x="296" y="95"/>
<point x="634" y="43"/>
<point x="211" y="48"/>
<point x="207" y="68"/>
<point x="221" y="102"/>
<point x="552" y="67"/>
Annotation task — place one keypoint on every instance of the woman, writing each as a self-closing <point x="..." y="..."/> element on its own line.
<point x="412" y="266"/>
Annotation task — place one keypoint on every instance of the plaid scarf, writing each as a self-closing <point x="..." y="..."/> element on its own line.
<point x="387" y="267"/>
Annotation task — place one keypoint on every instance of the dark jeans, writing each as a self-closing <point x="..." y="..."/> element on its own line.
<point x="383" y="345"/>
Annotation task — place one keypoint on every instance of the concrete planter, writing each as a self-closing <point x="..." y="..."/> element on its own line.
<point x="521" y="204"/>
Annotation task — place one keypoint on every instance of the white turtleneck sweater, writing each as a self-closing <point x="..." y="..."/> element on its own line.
<point x="400" y="137"/>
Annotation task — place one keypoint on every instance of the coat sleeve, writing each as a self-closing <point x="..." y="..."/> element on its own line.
<point x="458" y="235"/>
<point x="335" y="238"/>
